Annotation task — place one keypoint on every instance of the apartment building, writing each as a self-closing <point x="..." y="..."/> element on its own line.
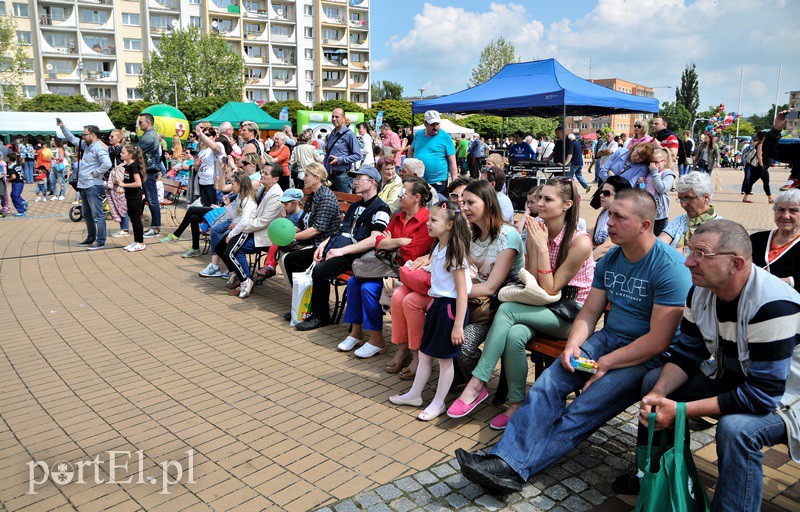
<point x="793" y="125"/>
<point x="619" y="123"/>
<point x="307" y="50"/>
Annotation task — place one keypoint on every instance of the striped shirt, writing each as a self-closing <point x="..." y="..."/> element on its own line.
<point x="583" y="279"/>
<point x="770" y="343"/>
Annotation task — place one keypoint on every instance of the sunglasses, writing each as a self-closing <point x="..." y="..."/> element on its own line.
<point x="455" y="197"/>
<point x="607" y="193"/>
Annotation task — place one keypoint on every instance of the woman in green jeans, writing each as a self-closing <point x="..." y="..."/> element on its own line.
<point x="556" y="264"/>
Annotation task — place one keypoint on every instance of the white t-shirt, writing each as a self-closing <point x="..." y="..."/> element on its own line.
<point x="442" y="282"/>
<point x="506" y="207"/>
<point x="205" y="175"/>
<point x="367" y="150"/>
<point x="613" y="146"/>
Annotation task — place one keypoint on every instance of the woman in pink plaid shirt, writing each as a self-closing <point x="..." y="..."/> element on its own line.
<point x="557" y="266"/>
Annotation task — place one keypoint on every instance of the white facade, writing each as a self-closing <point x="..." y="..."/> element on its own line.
<point x="96" y="47"/>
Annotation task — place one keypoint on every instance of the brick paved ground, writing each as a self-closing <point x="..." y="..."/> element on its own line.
<point x="117" y="351"/>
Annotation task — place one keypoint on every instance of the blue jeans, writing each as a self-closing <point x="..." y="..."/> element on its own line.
<point x="151" y="194"/>
<point x="57" y="181"/>
<point x="16" y="196"/>
<point x="740" y="438"/>
<point x="440" y="187"/>
<point x="218" y="232"/>
<point x="125" y="223"/>
<point x="235" y="252"/>
<point x="41" y="186"/>
<point x="576" y="171"/>
<point x="341" y="182"/>
<point x="363" y="303"/>
<point x="684" y="169"/>
<point x="93" y="215"/>
<point x="544" y="429"/>
<point x="27" y="170"/>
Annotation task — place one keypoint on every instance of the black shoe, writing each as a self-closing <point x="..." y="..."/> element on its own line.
<point x="626" y="483"/>
<point x="490" y="471"/>
<point x="86" y="243"/>
<point x="288" y="316"/>
<point x="312" y="323"/>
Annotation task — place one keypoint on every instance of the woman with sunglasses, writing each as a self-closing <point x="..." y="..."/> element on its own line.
<point x="694" y="195"/>
<point x="601" y="243"/>
<point x="560" y="258"/>
<point x="640" y="133"/>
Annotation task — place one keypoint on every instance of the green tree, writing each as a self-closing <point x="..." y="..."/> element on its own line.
<point x="486" y="126"/>
<point x="13" y="63"/>
<point x="745" y="128"/>
<point x="395" y="112"/>
<point x="494" y="56"/>
<point x="538" y="126"/>
<point x="678" y="117"/>
<point x="386" y="90"/>
<point x="273" y="108"/>
<point x="124" y="115"/>
<point x="199" y="108"/>
<point x="58" y="103"/>
<point x="201" y="65"/>
<point x="764" y="121"/>
<point x="329" y="105"/>
<point x="688" y="94"/>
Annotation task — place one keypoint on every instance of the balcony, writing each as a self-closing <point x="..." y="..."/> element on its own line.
<point x="255" y="81"/>
<point x="338" y="20"/>
<point x="99" y="51"/>
<point x="359" y="86"/>
<point x="283" y="81"/>
<point x="358" y="25"/>
<point x="259" y="13"/>
<point x="107" y="25"/>
<point x="282" y="38"/>
<point x="232" y="8"/>
<point x="360" y="44"/>
<point x="359" y="4"/>
<point x="255" y="59"/>
<point x="47" y="21"/>
<point x="164" y="5"/>
<point x="336" y="83"/>
<point x="100" y="76"/>
<point x="283" y="14"/>
<point x="106" y="3"/>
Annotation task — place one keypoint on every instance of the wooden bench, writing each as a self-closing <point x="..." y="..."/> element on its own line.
<point x="340" y="297"/>
<point x="173" y="188"/>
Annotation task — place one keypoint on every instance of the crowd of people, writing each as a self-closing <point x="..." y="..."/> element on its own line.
<point x="697" y="309"/>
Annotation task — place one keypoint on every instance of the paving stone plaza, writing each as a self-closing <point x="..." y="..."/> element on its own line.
<point x="113" y="358"/>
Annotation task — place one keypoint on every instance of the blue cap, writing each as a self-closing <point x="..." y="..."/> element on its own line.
<point x="292" y="194"/>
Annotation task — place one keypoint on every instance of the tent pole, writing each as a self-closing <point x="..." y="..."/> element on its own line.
<point x="564" y="140"/>
<point x="503" y="129"/>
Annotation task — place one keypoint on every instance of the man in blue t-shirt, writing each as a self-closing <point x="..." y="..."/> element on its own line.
<point x="646" y="283"/>
<point x="435" y="148"/>
<point x="576" y="163"/>
<point x="520" y="150"/>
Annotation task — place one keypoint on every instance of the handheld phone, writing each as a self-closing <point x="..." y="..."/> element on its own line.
<point x="58" y="120"/>
<point x="225" y="159"/>
<point x="792" y="114"/>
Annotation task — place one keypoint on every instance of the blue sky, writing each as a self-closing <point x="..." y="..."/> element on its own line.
<point x="435" y="44"/>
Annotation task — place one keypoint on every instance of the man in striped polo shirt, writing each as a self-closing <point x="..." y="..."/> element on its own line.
<point x="748" y="321"/>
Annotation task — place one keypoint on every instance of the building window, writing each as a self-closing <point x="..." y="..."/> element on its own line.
<point x="308" y="32"/>
<point x="281" y="95"/>
<point x="134" y="93"/>
<point x="251" y="5"/>
<point x="194" y="21"/>
<point x="330" y="95"/>
<point x="2" y="8"/>
<point x="100" y="93"/>
<point x="252" y="51"/>
<point x="24" y="37"/>
<point x="330" y="34"/>
<point x="309" y="53"/>
<point x="132" y="44"/>
<point x="94" y="17"/>
<point x="133" y="68"/>
<point x="309" y="75"/>
<point x="309" y="97"/>
<point x="355" y="57"/>
<point x="257" y="95"/>
<point x="63" y="90"/>
<point x="194" y="2"/>
<point x="331" y="12"/>
<point x="26" y="66"/>
<point x="279" y="30"/>
<point x="21" y="10"/>
<point x="58" y="13"/>
<point x="97" y="43"/>
<point x="29" y="91"/>
<point x="308" y="10"/>
<point x="131" y="19"/>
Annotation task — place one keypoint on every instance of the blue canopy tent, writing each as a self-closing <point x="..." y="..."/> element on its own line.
<point x="542" y="88"/>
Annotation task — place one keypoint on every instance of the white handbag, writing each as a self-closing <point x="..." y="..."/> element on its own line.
<point x="301" y="295"/>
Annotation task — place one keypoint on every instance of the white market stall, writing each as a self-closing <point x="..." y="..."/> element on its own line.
<point x="450" y="128"/>
<point x="39" y="124"/>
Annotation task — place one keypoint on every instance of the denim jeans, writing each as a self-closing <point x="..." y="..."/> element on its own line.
<point x="576" y="171"/>
<point x="740" y="438"/>
<point x="27" y="170"/>
<point x="544" y="429"/>
<point x="234" y="253"/>
<point x="16" y="197"/>
<point x="684" y="169"/>
<point x="57" y="182"/>
<point x="218" y="232"/>
<point x="341" y="182"/>
<point x="93" y="214"/>
<point x="151" y="194"/>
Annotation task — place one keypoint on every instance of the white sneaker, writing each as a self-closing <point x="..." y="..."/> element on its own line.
<point x="211" y="270"/>
<point x="137" y="248"/>
<point x="75" y="202"/>
<point x="54" y="198"/>
<point x="120" y="234"/>
<point x="152" y="233"/>
<point x="348" y="344"/>
<point x="38" y="199"/>
<point x="60" y="198"/>
<point x="129" y="246"/>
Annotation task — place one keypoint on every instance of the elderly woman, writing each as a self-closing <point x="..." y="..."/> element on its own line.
<point x="600" y="240"/>
<point x="694" y="195"/>
<point x="303" y="155"/>
<point x="415" y="167"/>
<point x="778" y="250"/>
<point x="407" y="233"/>
<point x="280" y="153"/>
<point x="392" y="183"/>
<point x="631" y="163"/>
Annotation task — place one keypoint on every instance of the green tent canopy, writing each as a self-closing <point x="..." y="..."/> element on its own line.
<point x="235" y="112"/>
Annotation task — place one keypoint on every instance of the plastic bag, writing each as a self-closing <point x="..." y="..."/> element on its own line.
<point x="301" y="295"/>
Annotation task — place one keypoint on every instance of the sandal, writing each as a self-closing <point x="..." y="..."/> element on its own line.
<point x="263" y="274"/>
<point x="397" y="366"/>
<point x="407" y="373"/>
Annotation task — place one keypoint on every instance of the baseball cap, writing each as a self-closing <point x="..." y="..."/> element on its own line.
<point x="368" y="170"/>
<point x="292" y="194"/>
<point x="432" y="116"/>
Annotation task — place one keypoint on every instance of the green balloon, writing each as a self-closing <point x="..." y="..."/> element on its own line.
<point x="281" y="232"/>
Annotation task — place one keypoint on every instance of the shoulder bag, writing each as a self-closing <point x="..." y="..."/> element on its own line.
<point x="376" y="264"/>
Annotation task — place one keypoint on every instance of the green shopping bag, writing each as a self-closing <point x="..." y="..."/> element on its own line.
<point x="671" y="482"/>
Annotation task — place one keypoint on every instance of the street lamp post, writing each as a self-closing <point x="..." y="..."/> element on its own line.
<point x="80" y="77"/>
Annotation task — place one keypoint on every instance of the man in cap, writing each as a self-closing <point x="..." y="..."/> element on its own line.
<point x="435" y="148"/>
<point x="362" y="224"/>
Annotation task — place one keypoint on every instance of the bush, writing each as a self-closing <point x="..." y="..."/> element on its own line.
<point x="59" y="103"/>
<point x="201" y="107"/>
<point x="395" y="112"/>
<point x="329" y="105"/>
<point x="273" y="108"/>
<point x="124" y="115"/>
